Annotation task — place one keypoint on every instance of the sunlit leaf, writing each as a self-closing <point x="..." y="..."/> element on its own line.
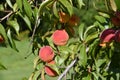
<point x="12" y="43"/>
<point x="15" y="25"/>
<point x="81" y="30"/>
<point x="117" y="2"/>
<point x="9" y="3"/>
<point x="80" y="3"/>
<point x="55" y="11"/>
<point x="20" y="4"/>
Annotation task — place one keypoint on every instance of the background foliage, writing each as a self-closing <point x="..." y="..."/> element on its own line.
<point x="38" y="19"/>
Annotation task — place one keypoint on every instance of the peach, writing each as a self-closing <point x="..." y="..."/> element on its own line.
<point x="117" y="36"/>
<point x="74" y="20"/>
<point x="1" y="39"/>
<point x="107" y="36"/>
<point x="60" y="37"/>
<point x="115" y="20"/>
<point x="64" y="17"/>
<point x="49" y="71"/>
<point x="46" y="54"/>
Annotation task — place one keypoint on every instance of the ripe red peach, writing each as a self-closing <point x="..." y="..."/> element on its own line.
<point x="74" y="20"/>
<point x="117" y="36"/>
<point x="107" y="36"/>
<point x="115" y="20"/>
<point x="46" y="54"/>
<point x="49" y="71"/>
<point x="60" y="37"/>
<point x="64" y="17"/>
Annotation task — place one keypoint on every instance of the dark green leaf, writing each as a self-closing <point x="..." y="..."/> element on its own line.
<point x="117" y="2"/>
<point x="27" y="8"/>
<point x="27" y="20"/>
<point x="67" y="5"/>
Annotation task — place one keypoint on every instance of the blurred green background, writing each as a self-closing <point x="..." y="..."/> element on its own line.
<point x="18" y="68"/>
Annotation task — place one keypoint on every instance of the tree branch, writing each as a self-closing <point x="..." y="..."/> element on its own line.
<point x="67" y="69"/>
<point x="6" y="16"/>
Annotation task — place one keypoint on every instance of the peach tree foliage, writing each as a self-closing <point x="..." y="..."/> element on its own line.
<point x="82" y="52"/>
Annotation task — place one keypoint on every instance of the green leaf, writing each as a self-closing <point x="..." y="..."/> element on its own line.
<point x="27" y="8"/>
<point x="87" y="30"/>
<point x="81" y="30"/>
<point x="26" y="20"/>
<point x="83" y="55"/>
<point x="9" y="3"/>
<point x="67" y="5"/>
<point x="80" y="3"/>
<point x="3" y="32"/>
<point x="100" y="19"/>
<point x="15" y="26"/>
<point x="55" y="9"/>
<point x="44" y="4"/>
<point x="12" y="43"/>
<point x="2" y="67"/>
<point x="117" y="2"/>
<point x="20" y="4"/>
<point x="92" y="36"/>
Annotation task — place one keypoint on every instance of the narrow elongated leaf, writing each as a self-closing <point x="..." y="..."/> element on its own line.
<point x="12" y="43"/>
<point x="9" y="3"/>
<point x="44" y="4"/>
<point x="88" y="29"/>
<point x="3" y="32"/>
<point x="67" y="5"/>
<point x="83" y="55"/>
<point x="27" y="8"/>
<point x="100" y="19"/>
<point x="15" y="26"/>
<point x="55" y="9"/>
<point x="27" y="20"/>
<point x="117" y="2"/>
<point x="81" y="30"/>
<point x="20" y="4"/>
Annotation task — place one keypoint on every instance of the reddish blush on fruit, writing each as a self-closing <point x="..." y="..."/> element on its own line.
<point x="107" y="36"/>
<point x="74" y="20"/>
<point x="117" y="36"/>
<point x="46" y="54"/>
<point x="49" y="71"/>
<point x="60" y="37"/>
<point x="117" y="13"/>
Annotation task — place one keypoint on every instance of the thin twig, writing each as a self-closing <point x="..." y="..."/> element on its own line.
<point x="67" y="69"/>
<point x="9" y="14"/>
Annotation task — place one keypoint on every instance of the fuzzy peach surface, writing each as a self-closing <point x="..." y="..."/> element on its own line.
<point x="107" y="35"/>
<point x="46" y="54"/>
<point x="60" y="37"/>
<point x="49" y="71"/>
